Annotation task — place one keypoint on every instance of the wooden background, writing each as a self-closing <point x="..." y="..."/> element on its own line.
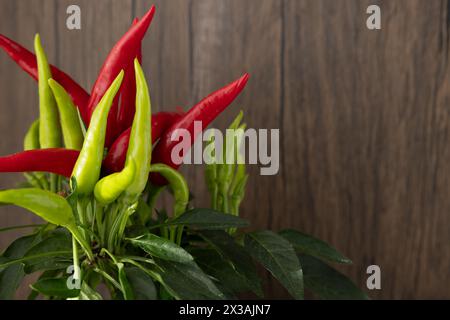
<point x="364" y="115"/>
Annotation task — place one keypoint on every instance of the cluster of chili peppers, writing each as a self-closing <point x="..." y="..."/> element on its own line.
<point x="92" y="158"/>
<point x="107" y="167"/>
<point x="61" y="97"/>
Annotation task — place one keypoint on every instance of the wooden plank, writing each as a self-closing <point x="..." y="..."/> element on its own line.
<point x="19" y="97"/>
<point x="365" y="122"/>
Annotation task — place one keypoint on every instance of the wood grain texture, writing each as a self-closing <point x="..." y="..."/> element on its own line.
<point x="363" y="115"/>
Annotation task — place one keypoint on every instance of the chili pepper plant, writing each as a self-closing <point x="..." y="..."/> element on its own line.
<point x="95" y="165"/>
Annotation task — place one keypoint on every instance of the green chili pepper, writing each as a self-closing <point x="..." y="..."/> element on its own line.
<point x="140" y="146"/>
<point x="47" y="205"/>
<point x="70" y="122"/>
<point x="237" y="187"/>
<point x="238" y="194"/>
<point x="225" y="170"/>
<point x="240" y="170"/>
<point x="110" y="187"/>
<point x="88" y="165"/>
<point x="211" y="174"/>
<point x="49" y="128"/>
<point x="178" y="185"/>
<point x="31" y="141"/>
<point x="180" y="193"/>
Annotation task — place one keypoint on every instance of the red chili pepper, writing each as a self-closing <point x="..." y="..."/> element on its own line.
<point x="127" y="107"/>
<point x="58" y="160"/>
<point x="119" y="58"/>
<point x="115" y="159"/>
<point x="205" y="111"/>
<point x="27" y="61"/>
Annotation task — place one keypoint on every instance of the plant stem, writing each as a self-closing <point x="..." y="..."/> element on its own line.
<point x="76" y="260"/>
<point x="53" y="183"/>
<point x="109" y="278"/>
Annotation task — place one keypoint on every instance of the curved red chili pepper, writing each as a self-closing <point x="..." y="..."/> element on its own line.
<point x="58" y="160"/>
<point x="127" y="107"/>
<point x="115" y="159"/>
<point x="205" y="111"/>
<point x="121" y="55"/>
<point x="27" y="61"/>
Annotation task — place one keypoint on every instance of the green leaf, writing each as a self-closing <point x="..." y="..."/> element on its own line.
<point x="56" y="287"/>
<point x="87" y="293"/>
<point x="309" y="245"/>
<point x="11" y="276"/>
<point x="278" y="256"/>
<point x="207" y="219"/>
<point x="127" y="291"/>
<point x="328" y="283"/>
<point x="12" y="262"/>
<point x="235" y="255"/>
<point x="186" y="281"/>
<point x="59" y="240"/>
<point x="161" y="248"/>
<point x="47" y="205"/>
<point x="141" y="284"/>
<point x="228" y="280"/>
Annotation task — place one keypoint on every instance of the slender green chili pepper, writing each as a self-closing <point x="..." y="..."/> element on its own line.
<point x="111" y="187"/>
<point x="240" y="165"/>
<point x="211" y="173"/>
<point x="49" y="129"/>
<point x="27" y="61"/>
<point x="180" y="193"/>
<point x="88" y="165"/>
<point x="49" y="206"/>
<point x="178" y="185"/>
<point x="238" y="194"/>
<point x="31" y="141"/>
<point x="225" y="170"/>
<point x="70" y="122"/>
<point x="140" y="145"/>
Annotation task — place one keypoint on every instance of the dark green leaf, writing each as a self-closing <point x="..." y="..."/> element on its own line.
<point x="186" y="281"/>
<point x="11" y="276"/>
<point x="228" y="280"/>
<point x="58" y="240"/>
<point x="207" y="219"/>
<point x="161" y="248"/>
<point x="278" y="256"/>
<point x="237" y="256"/>
<point x="309" y="245"/>
<point x="45" y="275"/>
<point x="127" y="291"/>
<point x="326" y="282"/>
<point x="56" y="287"/>
<point x="141" y="284"/>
